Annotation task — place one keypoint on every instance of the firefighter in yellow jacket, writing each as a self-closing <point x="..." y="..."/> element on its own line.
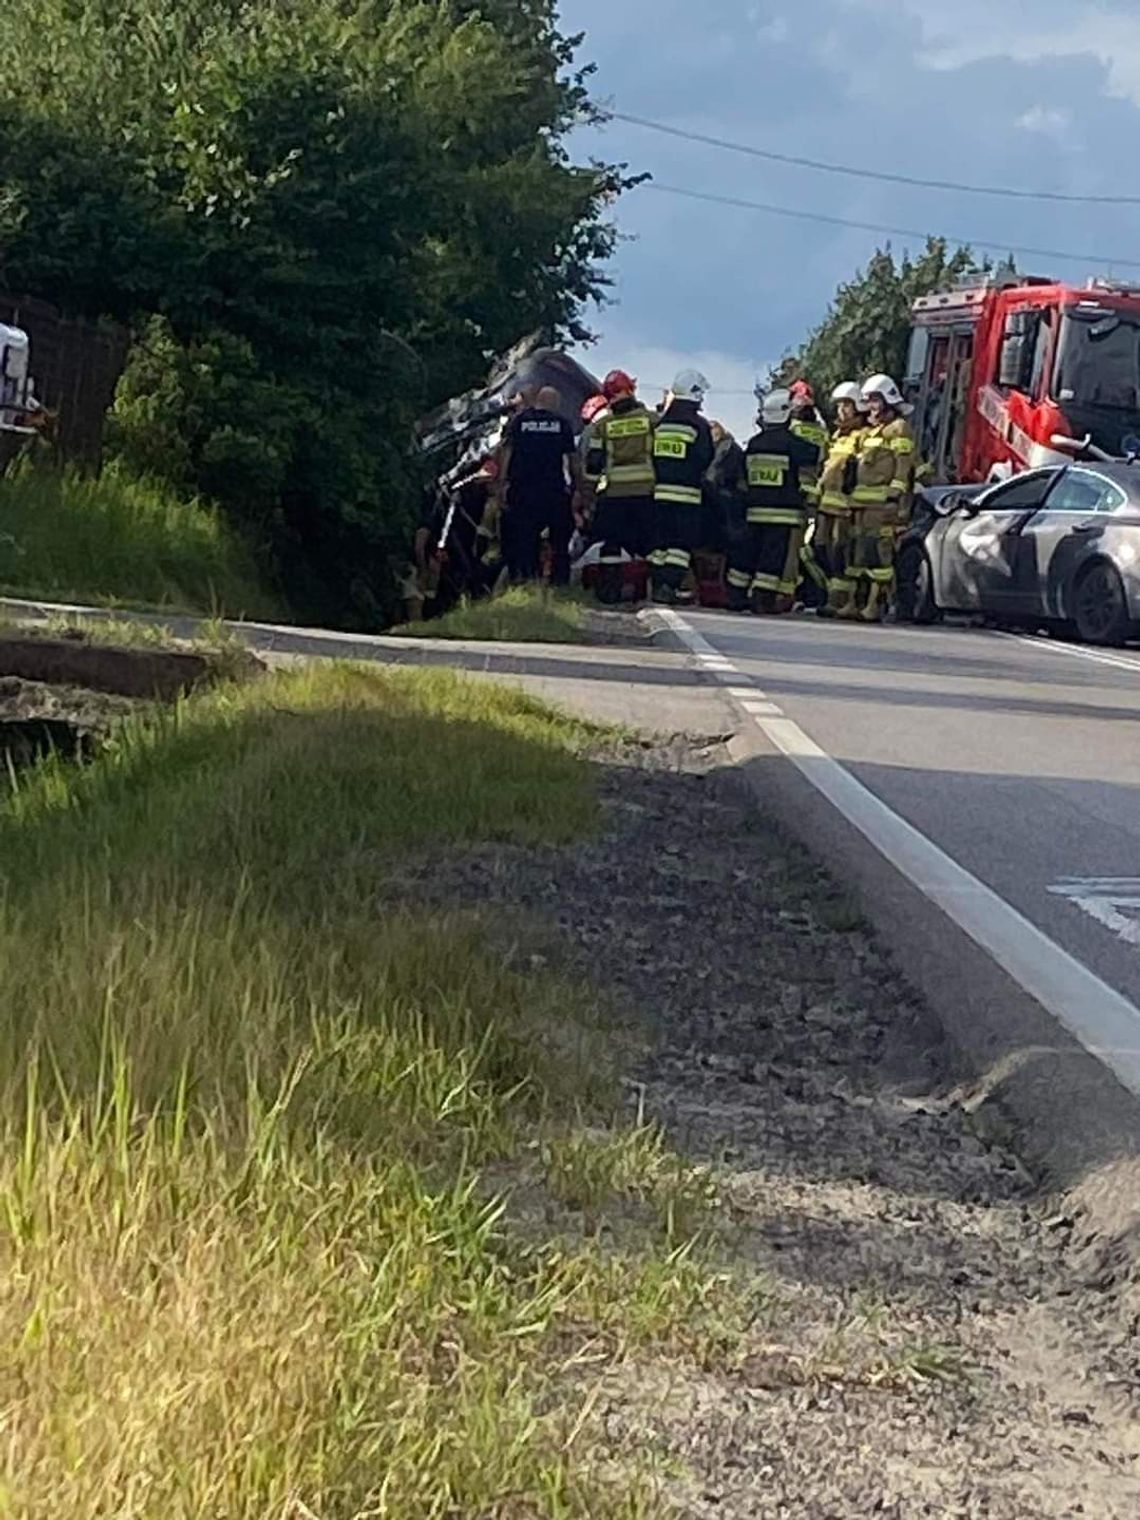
<point x="834" y="521"/>
<point x="883" y="496"/>
<point x="621" y="476"/>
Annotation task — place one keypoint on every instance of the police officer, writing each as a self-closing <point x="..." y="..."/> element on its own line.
<point x="620" y="474"/>
<point x="883" y="496"/>
<point x="683" y="451"/>
<point x="764" y="574"/>
<point x="541" y="473"/>
<point x="835" y="512"/>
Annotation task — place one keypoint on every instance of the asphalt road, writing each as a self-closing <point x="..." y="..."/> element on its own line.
<point x="1017" y="757"/>
<point x="998" y="775"/>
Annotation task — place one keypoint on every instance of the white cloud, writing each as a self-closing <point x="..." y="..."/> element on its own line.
<point x="980" y="32"/>
<point x="1046" y="121"/>
<point x="730" y="376"/>
<point x="775" y="32"/>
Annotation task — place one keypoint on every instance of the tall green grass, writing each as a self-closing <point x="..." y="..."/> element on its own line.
<point x="523" y="615"/>
<point x="118" y="539"/>
<point x="249" y="1266"/>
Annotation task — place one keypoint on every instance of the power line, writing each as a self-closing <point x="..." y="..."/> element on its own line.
<point x="1096" y="259"/>
<point x="882" y="175"/>
<point x="714" y="390"/>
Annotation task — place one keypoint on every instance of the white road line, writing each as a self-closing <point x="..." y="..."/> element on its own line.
<point x="762" y="709"/>
<point x="1105" y="1022"/>
<point x="694" y="642"/>
<point x="1106" y="899"/>
<point x="1096" y="656"/>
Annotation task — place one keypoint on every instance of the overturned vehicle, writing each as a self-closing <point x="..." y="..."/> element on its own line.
<point x="456" y="548"/>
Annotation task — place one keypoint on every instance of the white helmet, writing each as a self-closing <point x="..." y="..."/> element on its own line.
<point x="850" y="391"/>
<point x="690" y="385"/>
<point x="776" y="408"/>
<point x="883" y="385"/>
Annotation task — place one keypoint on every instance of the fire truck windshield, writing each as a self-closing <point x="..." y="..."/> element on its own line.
<point x="1098" y="360"/>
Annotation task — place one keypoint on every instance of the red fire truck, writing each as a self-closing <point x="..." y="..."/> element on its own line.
<point x="1009" y="373"/>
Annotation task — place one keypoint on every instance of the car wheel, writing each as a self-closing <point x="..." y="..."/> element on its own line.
<point x="915" y="583"/>
<point x="1100" y="606"/>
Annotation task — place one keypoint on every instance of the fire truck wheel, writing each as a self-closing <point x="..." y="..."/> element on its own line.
<point x="915" y="594"/>
<point x="1100" y="605"/>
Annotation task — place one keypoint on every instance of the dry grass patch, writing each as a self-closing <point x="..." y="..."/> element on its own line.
<point x="247" y="1258"/>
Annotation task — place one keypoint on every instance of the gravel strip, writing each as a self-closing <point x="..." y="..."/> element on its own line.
<point x="941" y="1340"/>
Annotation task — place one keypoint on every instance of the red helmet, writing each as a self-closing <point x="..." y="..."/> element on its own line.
<point x="592" y="407"/>
<point x="618" y="383"/>
<point x="802" y="393"/>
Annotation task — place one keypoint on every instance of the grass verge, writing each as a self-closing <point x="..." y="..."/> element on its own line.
<point x="116" y="539"/>
<point x="522" y="615"/>
<point x="249" y="1263"/>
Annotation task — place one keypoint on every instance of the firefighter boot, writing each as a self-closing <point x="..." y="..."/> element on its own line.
<point x="738" y="584"/>
<point x="611" y="578"/>
<point x="847" y="603"/>
<point x="877" y="599"/>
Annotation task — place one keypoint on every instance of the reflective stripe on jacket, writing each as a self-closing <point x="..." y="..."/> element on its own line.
<point x="619" y="458"/>
<point x="775" y="464"/>
<point x="812" y="432"/>
<point x="837" y="469"/>
<point x="683" y="451"/>
<point x="885" y="476"/>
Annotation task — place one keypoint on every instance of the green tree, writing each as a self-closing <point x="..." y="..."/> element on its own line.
<point x="324" y="215"/>
<point x="868" y="324"/>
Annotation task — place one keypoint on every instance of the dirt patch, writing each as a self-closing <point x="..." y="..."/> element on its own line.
<point x="615" y="627"/>
<point x="37" y="720"/>
<point x="938" y="1339"/>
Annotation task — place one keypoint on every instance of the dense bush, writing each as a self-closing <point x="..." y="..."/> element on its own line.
<point x="323" y="215"/>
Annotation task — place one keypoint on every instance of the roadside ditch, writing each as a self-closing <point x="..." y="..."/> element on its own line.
<point x="63" y="692"/>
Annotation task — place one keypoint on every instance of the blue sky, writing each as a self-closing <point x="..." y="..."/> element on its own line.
<point x="1043" y="95"/>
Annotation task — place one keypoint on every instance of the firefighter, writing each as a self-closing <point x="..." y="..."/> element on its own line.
<point x="883" y="496"/>
<point x="683" y="451"/>
<point x="451" y="546"/>
<point x="810" y="426"/>
<point x="764" y="574"/>
<point x="621" y="477"/>
<point x="728" y="525"/>
<point x="834" y="514"/>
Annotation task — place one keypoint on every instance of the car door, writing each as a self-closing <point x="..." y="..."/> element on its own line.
<point x="979" y="558"/>
<point x="1069" y="528"/>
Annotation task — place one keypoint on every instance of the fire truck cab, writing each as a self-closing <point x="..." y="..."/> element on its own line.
<point x="1010" y="373"/>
